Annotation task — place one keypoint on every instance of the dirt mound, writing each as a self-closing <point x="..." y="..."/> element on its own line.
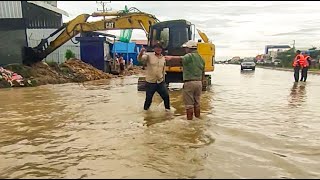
<point x="82" y="71"/>
<point x="73" y="70"/>
<point x="135" y="70"/>
<point x="44" y="74"/>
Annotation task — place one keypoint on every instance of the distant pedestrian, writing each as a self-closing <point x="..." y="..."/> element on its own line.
<point x="121" y="61"/>
<point x="130" y="64"/>
<point x="298" y="60"/>
<point x="305" y="66"/>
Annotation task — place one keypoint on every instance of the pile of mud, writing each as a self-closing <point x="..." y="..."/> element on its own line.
<point x="82" y="71"/>
<point x="73" y="70"/>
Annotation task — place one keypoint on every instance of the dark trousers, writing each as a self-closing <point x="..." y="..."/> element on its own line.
<point x="296" y="73"/>
<point x="304" y="74"/>
<point x="161" y="88"/>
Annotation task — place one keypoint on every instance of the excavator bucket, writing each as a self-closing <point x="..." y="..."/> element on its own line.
<point x="30" y="56"/>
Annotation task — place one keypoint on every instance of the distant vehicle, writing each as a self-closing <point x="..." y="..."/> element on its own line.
<point x="248" y="64"/>
<point x="276" y="62"/>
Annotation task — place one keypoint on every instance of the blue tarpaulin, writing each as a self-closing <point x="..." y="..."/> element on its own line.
<point x="121" y="47"/>
<point x="128" y="50"/>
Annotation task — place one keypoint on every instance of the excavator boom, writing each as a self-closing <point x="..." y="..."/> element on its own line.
<point x="135" y="20"/>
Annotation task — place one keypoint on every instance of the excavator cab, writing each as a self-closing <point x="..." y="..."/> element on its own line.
<point x="173" y="34"/>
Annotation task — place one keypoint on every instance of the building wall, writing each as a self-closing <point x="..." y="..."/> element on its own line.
<point x="25" y="24"/>
<point x="34" y="37"/>
<point x="11" y="46"/>
<point x="12" y="32"/>
<point x="40" y="18"/>
<point x="40" y="27"/>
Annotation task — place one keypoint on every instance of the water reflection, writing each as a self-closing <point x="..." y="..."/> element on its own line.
<point x="156" y="113"/>
<point x="297" y="94"/>
<point x="247" y="73"/>
<point x="171" y="147"/>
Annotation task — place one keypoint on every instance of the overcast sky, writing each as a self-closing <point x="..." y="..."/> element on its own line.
<point x="236" y="28"/>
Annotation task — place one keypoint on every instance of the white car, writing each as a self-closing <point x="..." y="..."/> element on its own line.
<point x="248" y="64"/>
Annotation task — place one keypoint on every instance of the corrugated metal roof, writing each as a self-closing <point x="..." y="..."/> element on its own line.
<point x="49" y="7"/>
<point x="10" y="9"/>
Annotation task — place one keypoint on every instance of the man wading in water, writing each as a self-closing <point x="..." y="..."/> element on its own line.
<point x="193" y="74"/>
<point x="156" y="64"/>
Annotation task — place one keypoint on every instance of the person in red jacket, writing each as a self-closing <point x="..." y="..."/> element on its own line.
<point x="298" y="60"/>
<point x="305" y="67"/>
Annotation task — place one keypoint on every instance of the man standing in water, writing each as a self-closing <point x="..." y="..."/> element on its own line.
<point x="193" y="74"/>
<point x="121" y="61"/>
<point x="155" y="65"/>
<point x="305" y="67"/>
<point x="297" y="62"/>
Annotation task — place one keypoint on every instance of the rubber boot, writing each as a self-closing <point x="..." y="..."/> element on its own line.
<point x="197" y="112"/>
<point x="189" y="114"/>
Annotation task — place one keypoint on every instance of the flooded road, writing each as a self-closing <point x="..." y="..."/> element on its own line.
<point x="254" y="125"/>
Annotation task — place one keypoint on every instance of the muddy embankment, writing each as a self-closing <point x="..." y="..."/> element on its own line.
<point x="73" y="70"/>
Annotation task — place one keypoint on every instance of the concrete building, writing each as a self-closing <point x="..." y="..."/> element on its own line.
<point x="25" y="23"/>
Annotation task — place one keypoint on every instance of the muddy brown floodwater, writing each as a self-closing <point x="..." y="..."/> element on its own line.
<point x="254" y="125"/>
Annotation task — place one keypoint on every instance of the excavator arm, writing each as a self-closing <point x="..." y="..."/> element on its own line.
<point x="134" y="20"/>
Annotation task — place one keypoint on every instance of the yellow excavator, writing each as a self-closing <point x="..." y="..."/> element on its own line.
<point x="173" y="33"/>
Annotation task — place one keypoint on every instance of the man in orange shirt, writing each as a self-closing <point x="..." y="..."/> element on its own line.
<point x="298" y="60"/>
<point x="305" y="67"/>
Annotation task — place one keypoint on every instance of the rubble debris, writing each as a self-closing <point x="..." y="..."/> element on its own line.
<point x="9" y="78"/>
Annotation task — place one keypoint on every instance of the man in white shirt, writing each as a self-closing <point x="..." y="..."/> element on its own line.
<point x="156" y="64"/>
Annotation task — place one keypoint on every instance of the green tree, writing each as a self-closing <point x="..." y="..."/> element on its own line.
<point x="69" y="54"/>
<point x="313" y="48"/>
<point x="286" y="57"/>
<point x="314" y="54"/>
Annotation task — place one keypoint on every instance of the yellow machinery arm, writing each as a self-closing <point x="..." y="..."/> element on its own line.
<point x="132" y="20"/>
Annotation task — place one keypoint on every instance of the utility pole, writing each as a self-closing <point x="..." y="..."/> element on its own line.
<point x="294" y="43"/>
<point x="104" y="7"/>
